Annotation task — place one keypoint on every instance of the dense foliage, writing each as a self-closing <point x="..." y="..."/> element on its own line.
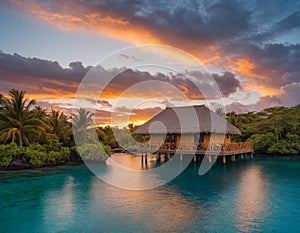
<point x="39" y="136"/>
<point x="274" y="130"/>
<point x="94" y="152"/>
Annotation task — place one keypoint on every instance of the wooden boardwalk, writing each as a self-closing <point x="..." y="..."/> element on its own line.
<point x="234" y="151"/>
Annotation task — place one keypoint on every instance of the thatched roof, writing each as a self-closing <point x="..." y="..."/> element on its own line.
<point x="169" y="117"/>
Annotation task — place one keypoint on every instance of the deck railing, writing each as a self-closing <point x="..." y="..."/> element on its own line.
<point x="200" y="147"/>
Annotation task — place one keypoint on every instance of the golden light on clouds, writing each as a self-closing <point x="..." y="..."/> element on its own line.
<point x="245" y="67"/>
<point x="84" y="18"/>
<point x="209" y="56"/>
<point x="72" y="15"/>
<point x="263" y="90"/>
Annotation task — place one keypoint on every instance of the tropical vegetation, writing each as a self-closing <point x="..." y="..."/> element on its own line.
<point x="33" y="136"/>
<point x="41" y="137"/>
<point x="274" y="130"/>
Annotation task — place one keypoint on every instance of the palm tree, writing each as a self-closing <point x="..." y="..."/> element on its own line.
<point x="17" y="121"/>
<point x="60" y="125"/>
<point x="82" y="121"/>
<point x="42" y="114"/>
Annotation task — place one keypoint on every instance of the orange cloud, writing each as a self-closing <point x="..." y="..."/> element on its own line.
<point x="245" y="67"/>
<point x="43" y="96"/>
<point x="125" y="116"/>
<point x="72" y="15"/>
<point x="209" y="56"/>
<point x="263" y="90"/>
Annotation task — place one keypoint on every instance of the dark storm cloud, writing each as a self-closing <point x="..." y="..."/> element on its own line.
<point x="197" y="21"/>
<point x="227" y="83"/>
<point x="48" y="77"/>
<point x="220" y="32"/>
<point x="39" y="76"/>
<point x="290" y="22"/>
<point x="277" y="64"/>
<point x="16" y="66"/>
<point x="240" y="30"/>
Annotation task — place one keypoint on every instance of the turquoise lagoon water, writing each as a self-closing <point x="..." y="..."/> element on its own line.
<point x="258" y="196"/>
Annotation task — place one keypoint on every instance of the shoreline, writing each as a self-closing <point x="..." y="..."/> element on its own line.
<point x="25" y="166"/>
<point x="19" y="164"/>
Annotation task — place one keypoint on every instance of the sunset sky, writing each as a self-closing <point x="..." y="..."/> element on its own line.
<point x="250" y="48"/>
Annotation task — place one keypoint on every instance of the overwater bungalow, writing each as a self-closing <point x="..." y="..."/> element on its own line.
<point x="211" y="134"/>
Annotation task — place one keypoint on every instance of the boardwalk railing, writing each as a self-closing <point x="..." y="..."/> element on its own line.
<point x="235" y="147"/>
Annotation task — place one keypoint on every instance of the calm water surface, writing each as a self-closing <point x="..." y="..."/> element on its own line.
<point x="258" y="196"/>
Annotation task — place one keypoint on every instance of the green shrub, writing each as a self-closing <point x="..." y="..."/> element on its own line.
<point x="65" y="152"/>
<point x="5" y="159"/>
<point x="54" y="155"/>
<point x="52" y="145"/>
<point x="281" y="147"/>
<point x="290" y="145"/>
<point x="36" y="154"/>
<point x="93" y="152"/>
<point x="7" y="152"/>
<point x="262" y="142"/>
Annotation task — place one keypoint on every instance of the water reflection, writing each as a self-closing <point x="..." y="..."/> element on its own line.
<point x="261" y="196"/>
<point x="251" y="203"/>
<point x="60" y="206"/>
<point x="126" y="171"/>
<point x="160" y="210"/>
<point x="134" y="162"/>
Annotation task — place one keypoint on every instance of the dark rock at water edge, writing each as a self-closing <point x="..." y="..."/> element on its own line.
<point x="18" y="163"/>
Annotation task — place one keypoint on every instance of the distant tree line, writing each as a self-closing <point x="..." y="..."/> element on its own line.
<point x="34" y="136"/>
<point x="274" y="130"/>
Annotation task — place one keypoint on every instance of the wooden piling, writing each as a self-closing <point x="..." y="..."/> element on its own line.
<point x="169" y="156"/>
<point x="224" y="159"/>
<point x="233" y="158"/>
<point x="209" y="159"/>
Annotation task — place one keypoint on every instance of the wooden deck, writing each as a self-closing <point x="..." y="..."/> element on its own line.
<point x="235" y="151"/>
<point x="200" y="148"/>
